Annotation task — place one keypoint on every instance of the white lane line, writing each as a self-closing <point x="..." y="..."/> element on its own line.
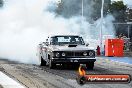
<point x="7" y="82"/>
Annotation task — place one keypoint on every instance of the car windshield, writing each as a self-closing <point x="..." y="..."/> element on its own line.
<point x="62" y="40"/>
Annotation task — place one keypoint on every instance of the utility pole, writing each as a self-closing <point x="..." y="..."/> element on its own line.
<point x="82" y="10"/>
<point x="129" y="23"/>
<point x="101" y="26"/>
<point x="82" y="18"/>
<point x="128" y="31"/>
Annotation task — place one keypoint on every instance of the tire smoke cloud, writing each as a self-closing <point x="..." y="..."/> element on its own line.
<point x="25" y="23"/>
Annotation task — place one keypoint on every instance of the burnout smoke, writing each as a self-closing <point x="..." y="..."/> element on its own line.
<point x="25" y="23"/>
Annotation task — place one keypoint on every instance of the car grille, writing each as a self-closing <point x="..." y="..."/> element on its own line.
<point x="73" y="54"/>
<point x="77" y="54"/>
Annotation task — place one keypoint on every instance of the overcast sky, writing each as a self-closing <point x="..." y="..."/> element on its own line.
<point x="128" y="2"/>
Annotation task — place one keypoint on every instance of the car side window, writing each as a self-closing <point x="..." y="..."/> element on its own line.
<point x="54" y="41"/>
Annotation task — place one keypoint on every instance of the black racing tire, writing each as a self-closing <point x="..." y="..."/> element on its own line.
<point x="81" y="80"/>
<point x="43" y="62"/>
<point x="90" y="65"/>
<point x="52" y="65"/>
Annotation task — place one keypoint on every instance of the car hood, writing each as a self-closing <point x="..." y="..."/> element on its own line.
<point x="67" y="48"/>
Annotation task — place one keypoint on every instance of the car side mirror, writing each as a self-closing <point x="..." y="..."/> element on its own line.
<point x="87" y="44"/>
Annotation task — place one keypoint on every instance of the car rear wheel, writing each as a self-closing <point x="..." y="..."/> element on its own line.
<point x="90" y="65"/>
<point x="42" y="62"/>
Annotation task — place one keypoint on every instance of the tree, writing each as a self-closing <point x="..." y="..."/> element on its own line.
<point x="1" y="3"/>
<point x="118" y="10"/>
<point x="92" y="8"/>
<point x="129" y="14"/>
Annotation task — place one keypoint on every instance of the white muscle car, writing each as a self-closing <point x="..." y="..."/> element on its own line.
<point x="64" y="50"/>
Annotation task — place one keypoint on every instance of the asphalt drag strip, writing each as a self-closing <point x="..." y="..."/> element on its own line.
<point x="34" y="76"/>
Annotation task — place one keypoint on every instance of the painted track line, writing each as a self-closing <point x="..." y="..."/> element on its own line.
<point x="7" y="82"/>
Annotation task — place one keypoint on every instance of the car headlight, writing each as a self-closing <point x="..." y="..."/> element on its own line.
<point x="63" y="54"/>
<point x="85" y="54"/>
<point x="91" y="53"/>
<point x="57" y="54"/>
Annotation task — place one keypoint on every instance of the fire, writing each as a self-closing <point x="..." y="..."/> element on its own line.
<point x="81" y="77"/>
<point x="82" y="71"/>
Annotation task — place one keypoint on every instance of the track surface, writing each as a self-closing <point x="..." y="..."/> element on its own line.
<point x="34" y="76"/>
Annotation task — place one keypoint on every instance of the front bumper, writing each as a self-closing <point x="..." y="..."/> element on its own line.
<point x="73" y="60"/>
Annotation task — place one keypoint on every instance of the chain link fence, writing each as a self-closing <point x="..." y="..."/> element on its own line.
<point x="124" y="31"/>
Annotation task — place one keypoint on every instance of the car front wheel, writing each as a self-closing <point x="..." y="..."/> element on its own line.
<point x="42" y="62"/>
<point x="52" y="65"/>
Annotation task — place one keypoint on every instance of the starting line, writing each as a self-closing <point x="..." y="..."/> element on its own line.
<point x="7" y="82"/>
